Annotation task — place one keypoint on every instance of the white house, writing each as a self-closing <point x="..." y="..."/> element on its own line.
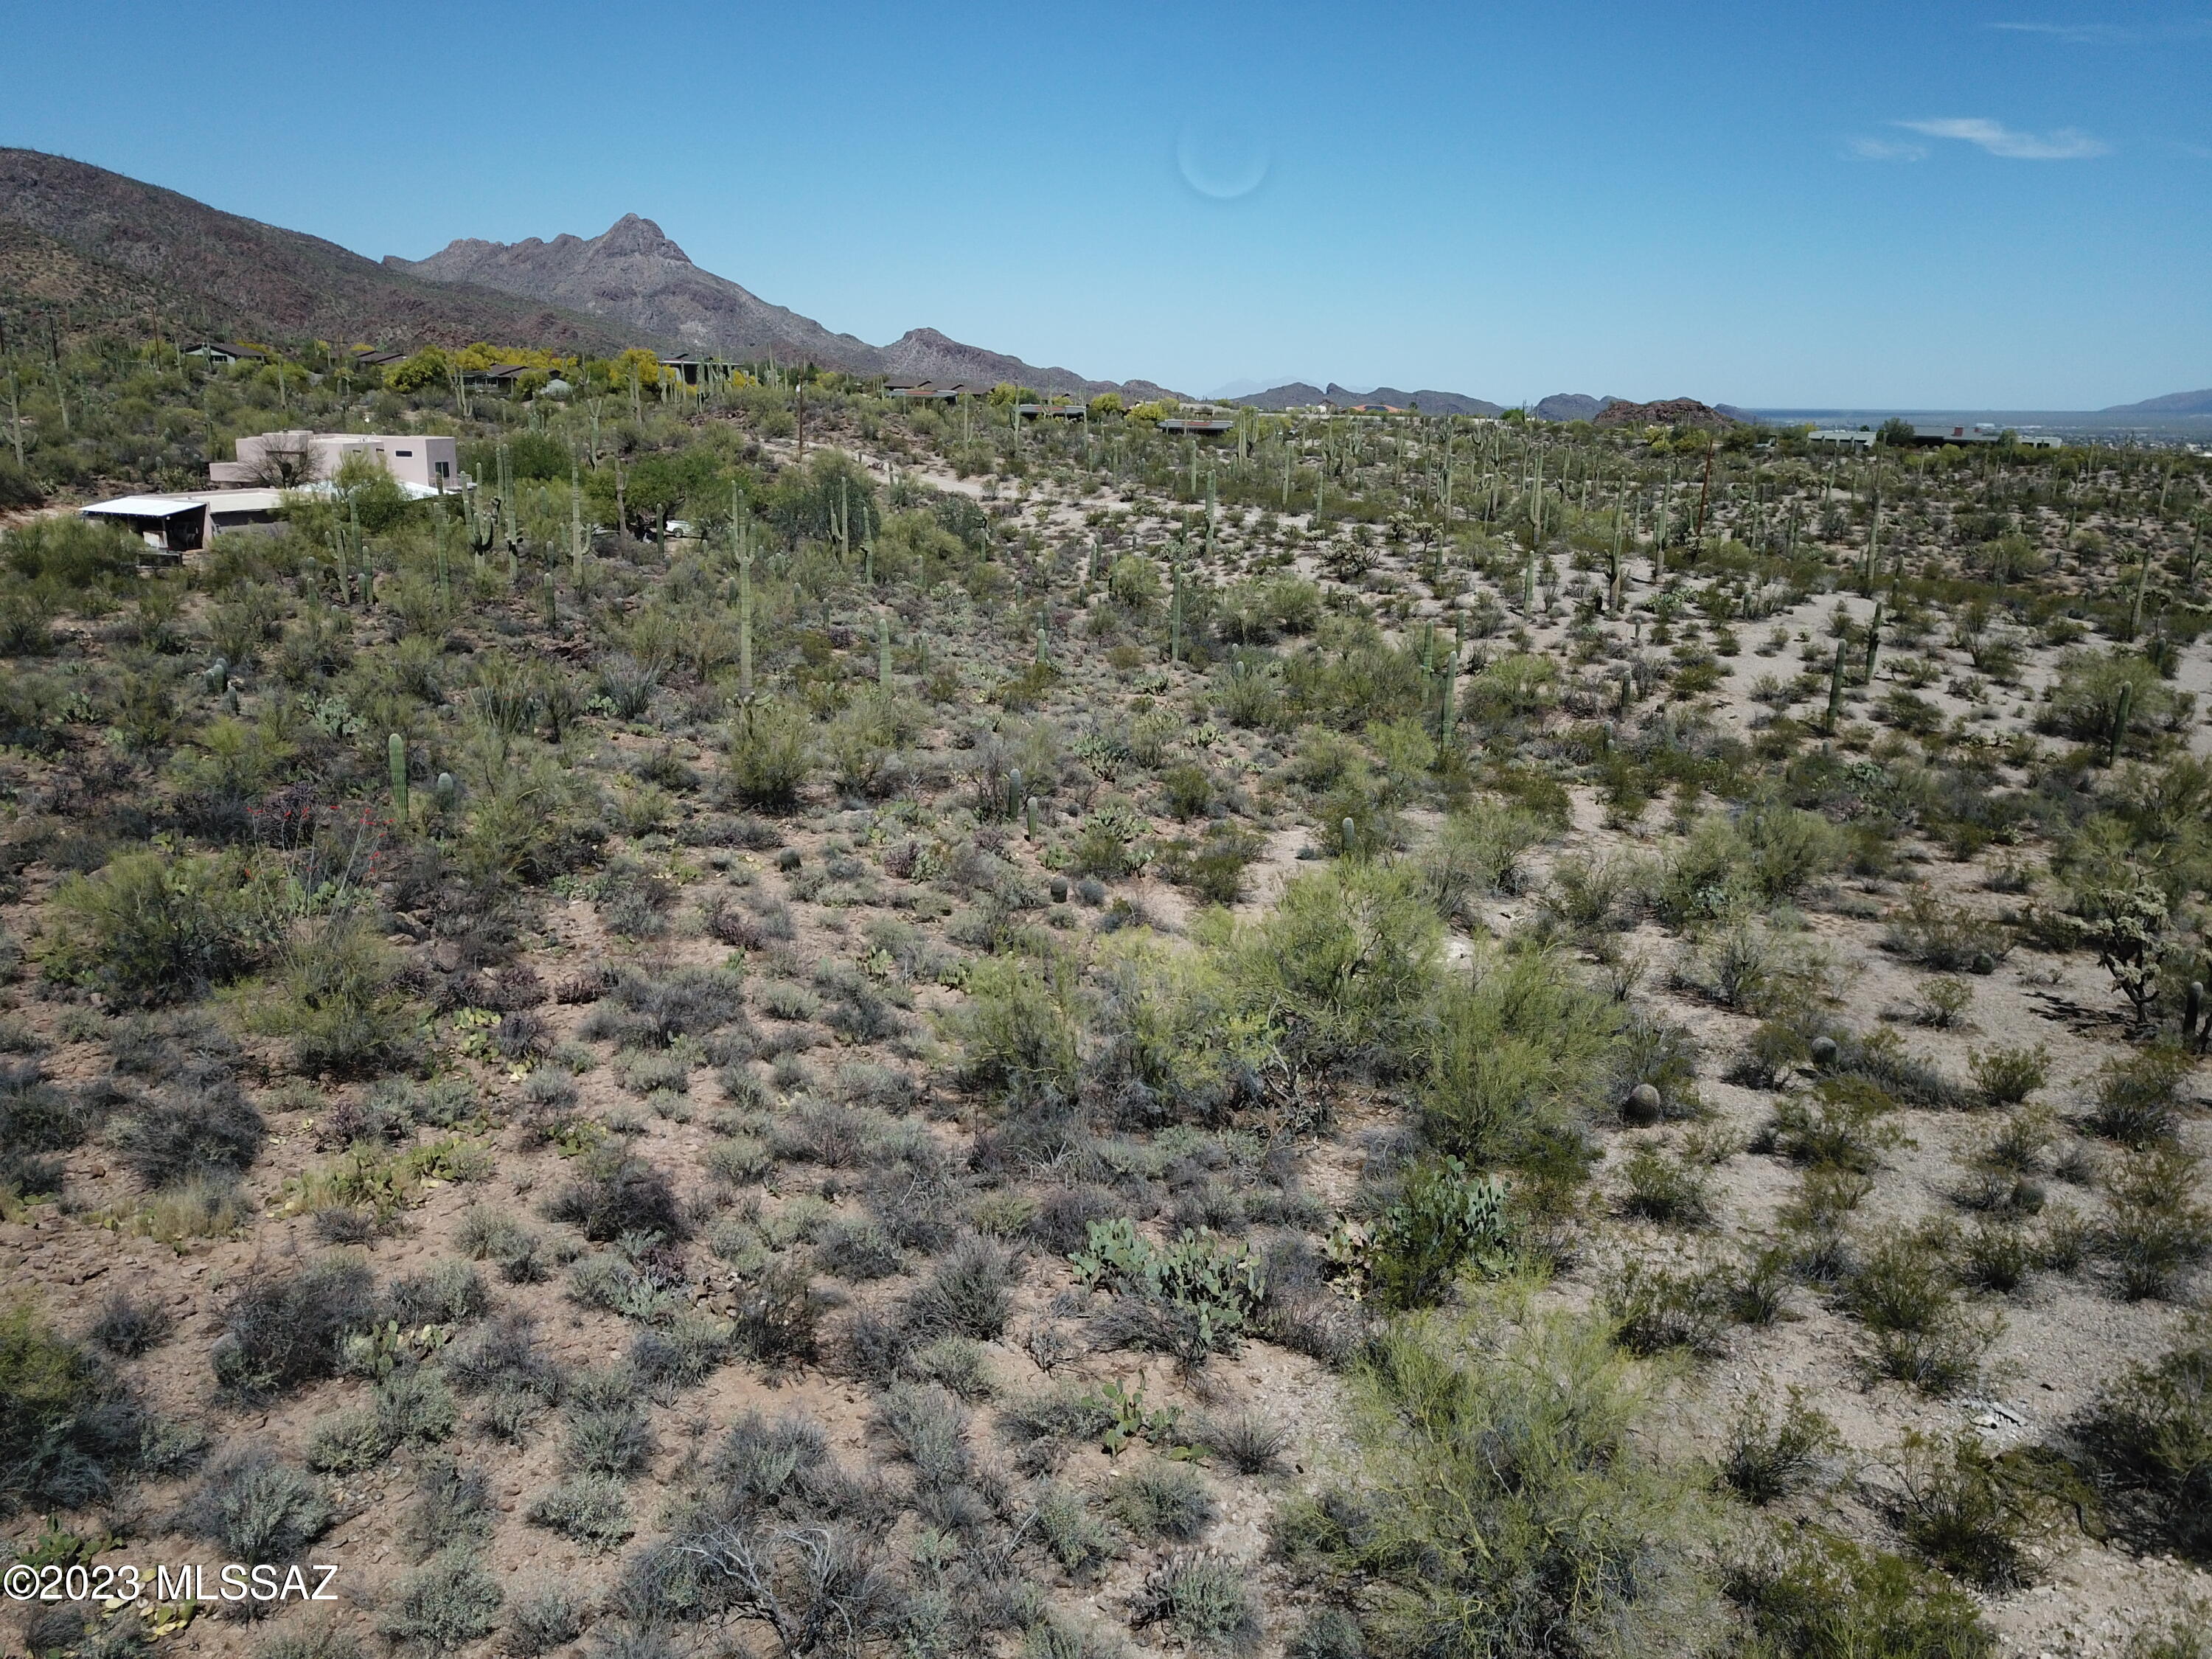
<point x="285" y="459"/>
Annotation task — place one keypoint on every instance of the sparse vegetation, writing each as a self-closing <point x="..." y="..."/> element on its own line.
<point x="979" y="902"/>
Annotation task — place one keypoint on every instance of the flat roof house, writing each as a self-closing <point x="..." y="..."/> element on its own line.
<point x="223" y="353"/>
<point x="294" y="457"/>
<point x="186" y="521"/>
<point x="926" y="392"/>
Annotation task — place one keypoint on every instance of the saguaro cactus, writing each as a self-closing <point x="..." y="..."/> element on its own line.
<point x="395" y="757"/>
<point x="745" y="619"/>
<point x="883" y="651"/>
<point x="2122" y="706"/>
<point x="1836" y="688"/>
<point x="1874" y="641"/>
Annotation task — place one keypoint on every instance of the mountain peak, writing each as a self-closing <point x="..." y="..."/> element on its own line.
<point x="634" y="235"/>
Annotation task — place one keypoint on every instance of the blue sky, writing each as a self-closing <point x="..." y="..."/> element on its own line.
<point x="1853" y="204"/>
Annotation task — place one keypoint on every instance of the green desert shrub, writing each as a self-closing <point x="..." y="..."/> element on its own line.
<point x="1918" y="1332"/>
<point x="770" y="754"/>
<point x="2139" y="1094"/>
<point x="2156" y="1231"/>
<point x="154" y="928"/>
<point x="1972" y="1512"/>
<point x="68" y="1429"/>
<point x="2147" y="1445"/>
<point x="1770" y="1455"/>
<point x="1343" y="966"/>
<point x="1814" y="1595"/>
<point x="1478" y="852"/>
<point x="1018" y="1029"/>
<point x="1444" y="1219"/>
<point x="336" y="999"/>
<point x="1515" y="1059"/>
<point x="2084" y="701"/>
<point x="2007" y="1077"/>
<point x="1505" y="1497"/>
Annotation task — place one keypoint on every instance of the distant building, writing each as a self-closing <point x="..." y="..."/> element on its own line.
<point x="499" y="377"/>
<point x="1844" y="437"/>
<point x="927" y="391"/>
<point x="1197" y="427"/>
<point x="372" y="357"/>
<point x="1980" y="432"/>
<point x="694" y="370"/>
<point x="184" y="521"/>
<point x="1050" y="411"/>
<point x="222" y="353"/>
<point x="284" y="460"/>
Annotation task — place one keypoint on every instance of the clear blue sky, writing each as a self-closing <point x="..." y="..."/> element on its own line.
<point x="1954" y="204"/>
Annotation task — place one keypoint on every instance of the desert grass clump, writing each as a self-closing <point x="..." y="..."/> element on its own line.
<point x="590" y="1509"/>
<point x="541" y="1616"/>
<point x="453" y="1504"/>
<point x="969" y="1292"/>
<point x="1203" y="1598"/>
<point x="1078" y="1538"/>
<point x="447" y="1603"/>
<point x="1155" y="1499"/>
<point x="257" y="1508"/>
<point x="1248" y="1440"/>
<point x="502" y="1365"/>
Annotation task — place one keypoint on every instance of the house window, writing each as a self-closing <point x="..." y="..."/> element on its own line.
<point x="403" y="452"/>
<point x="443" y="468"/>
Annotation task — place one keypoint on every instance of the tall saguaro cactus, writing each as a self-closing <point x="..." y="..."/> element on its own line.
<point x="395" y="757"/>
<point x="744" y="615"/>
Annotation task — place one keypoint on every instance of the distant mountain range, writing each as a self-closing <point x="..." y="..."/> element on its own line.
<point x="1298" y="395"/>
<point x="110" y="250"/>
<point x="2175" y="402"/>
<point x="633" y="275"/>
<point x="1560" y="406"/>
<point x="87" y="248"/>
